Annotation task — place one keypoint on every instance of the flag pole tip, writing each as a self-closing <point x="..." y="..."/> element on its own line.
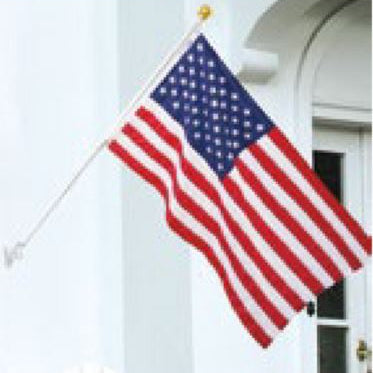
<point x="204" y="12"/>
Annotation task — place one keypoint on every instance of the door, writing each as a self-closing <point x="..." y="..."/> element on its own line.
<point x="342" y="158"/>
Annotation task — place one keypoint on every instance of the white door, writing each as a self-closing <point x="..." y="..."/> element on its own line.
<point x="342" y="158"/>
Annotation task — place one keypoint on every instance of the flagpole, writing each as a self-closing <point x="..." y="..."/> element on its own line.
<point x="11" y="254"/>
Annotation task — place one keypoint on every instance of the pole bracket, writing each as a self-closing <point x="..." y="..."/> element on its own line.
<point x="12" y="254"/>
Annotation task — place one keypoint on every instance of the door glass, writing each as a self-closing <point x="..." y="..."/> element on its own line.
<point x="331" y="303"/>
<point x="331" y="349"/>
<point x="331" y="338"/>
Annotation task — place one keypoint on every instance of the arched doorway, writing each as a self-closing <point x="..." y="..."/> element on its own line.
<point x="341" y="109"/>
<point x="322" y="86"/>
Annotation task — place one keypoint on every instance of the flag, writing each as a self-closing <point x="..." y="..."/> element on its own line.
<point x="237" y="190"/>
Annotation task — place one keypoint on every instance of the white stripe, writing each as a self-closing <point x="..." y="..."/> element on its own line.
<point x="288" y="168"/>
<point x="295" y="211"/>
<point x="214" y="212"/>
<point x="281" y="231"/>
<point x="236" y="213"/>
<point x="256" y="312"/>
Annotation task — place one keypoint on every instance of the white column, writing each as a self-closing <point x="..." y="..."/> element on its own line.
<point x="157" y="289"/>
<point x="62" y="305"/>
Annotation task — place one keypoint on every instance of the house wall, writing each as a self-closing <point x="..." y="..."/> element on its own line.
<point x="62" y="304"/>
<point x="156" y="264"/>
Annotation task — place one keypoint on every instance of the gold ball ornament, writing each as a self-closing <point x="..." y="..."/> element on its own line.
<point x="204" y="12"/>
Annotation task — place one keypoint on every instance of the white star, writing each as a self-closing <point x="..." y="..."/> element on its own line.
<point x="246" y="111"/>
<point x="214" y="103"/>
<point x="228" y="143"/>
<point x="173" y="92"/>
<point x="234" y="108"/>
<point x="195" y="110"/>
<point x="190" y="57"/>
<point x="213" y="90"/>
<point x="185" y="94"/>
<point x="176" y="105"/>
<point x="220" y="166"/>
<point x="235" y="132"/>
<point x="192" y="84"/>
<point x="194" y="97"/>
<point x="223" y="104"/>
<point x="211" y="63"/>
<point x="223" y="92"/>
<point x="184" y="81"/>
<point x="205" y="112"/>
<point x="172" y="79"/>
<point x="225" y="117"/>
<point x="222" y="80"/>
<point x="192" y="71"/>
<point x="234" y="96"/>
<point x="181" y="68"/>
<point x="215" y="116"/>
<point x="207" y="125"/>
<point x="230" y="156"/>
<point x="216" y="129"/>
<point x="209" y="149"/>
<point x="200" y="47"/>
<point x="226" y="130"/>
<point x="207" y="137"/>
<point x="201" y="60"/>
<point x="186" y="107"/>
<point x="205" y="100"/>
<point x="234" y="120"/>
<point x="236" y="144"/>
<point x="196" y="122"/>
<point x="203" y="87"/>
<point x="247" y="135"/>
<point x="217" y="141"/>
<point x="260" y="127"/>
<point x="247" y="124"/>
<point x="202" y="74"/>
<point x="163" y="90"/>
<point x="197" y="135"/>
<point x="211" y="76"/>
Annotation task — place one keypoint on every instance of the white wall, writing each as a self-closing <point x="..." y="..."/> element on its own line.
<point x="62" y="305"/>
<point x="156" y="274"/>
<point x="344" y="75"/>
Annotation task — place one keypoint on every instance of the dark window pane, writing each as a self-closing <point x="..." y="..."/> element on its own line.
<point x="329" y="168"/>
<point x="331" y="303"/>
<point x="332" y="350"/>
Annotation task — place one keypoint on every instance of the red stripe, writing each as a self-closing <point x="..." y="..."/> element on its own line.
<point x="304" y="203"/>
<point x="288" y="220"/>
<point x="208" y="222"/>
<point x="177" y="226"/>
<point x="272" y="239"/>
<point x="293" y="155"/>
<point x="208" y="189"/>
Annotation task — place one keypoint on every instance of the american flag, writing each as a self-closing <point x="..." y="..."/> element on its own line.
<point x="238" y="190"/>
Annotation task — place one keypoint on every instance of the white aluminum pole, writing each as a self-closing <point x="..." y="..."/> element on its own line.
<point x="11" y="254"/>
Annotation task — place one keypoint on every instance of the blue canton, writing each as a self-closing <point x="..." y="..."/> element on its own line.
<point x="219" y="117"/>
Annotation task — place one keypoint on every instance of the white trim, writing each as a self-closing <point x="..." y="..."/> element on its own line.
<point x="257" y="65"/>
<point x="333" y="323"/>
<point x="342" y="114"/>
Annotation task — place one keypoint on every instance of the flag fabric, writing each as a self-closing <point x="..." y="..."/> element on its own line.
<point x="238" y="190"/>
